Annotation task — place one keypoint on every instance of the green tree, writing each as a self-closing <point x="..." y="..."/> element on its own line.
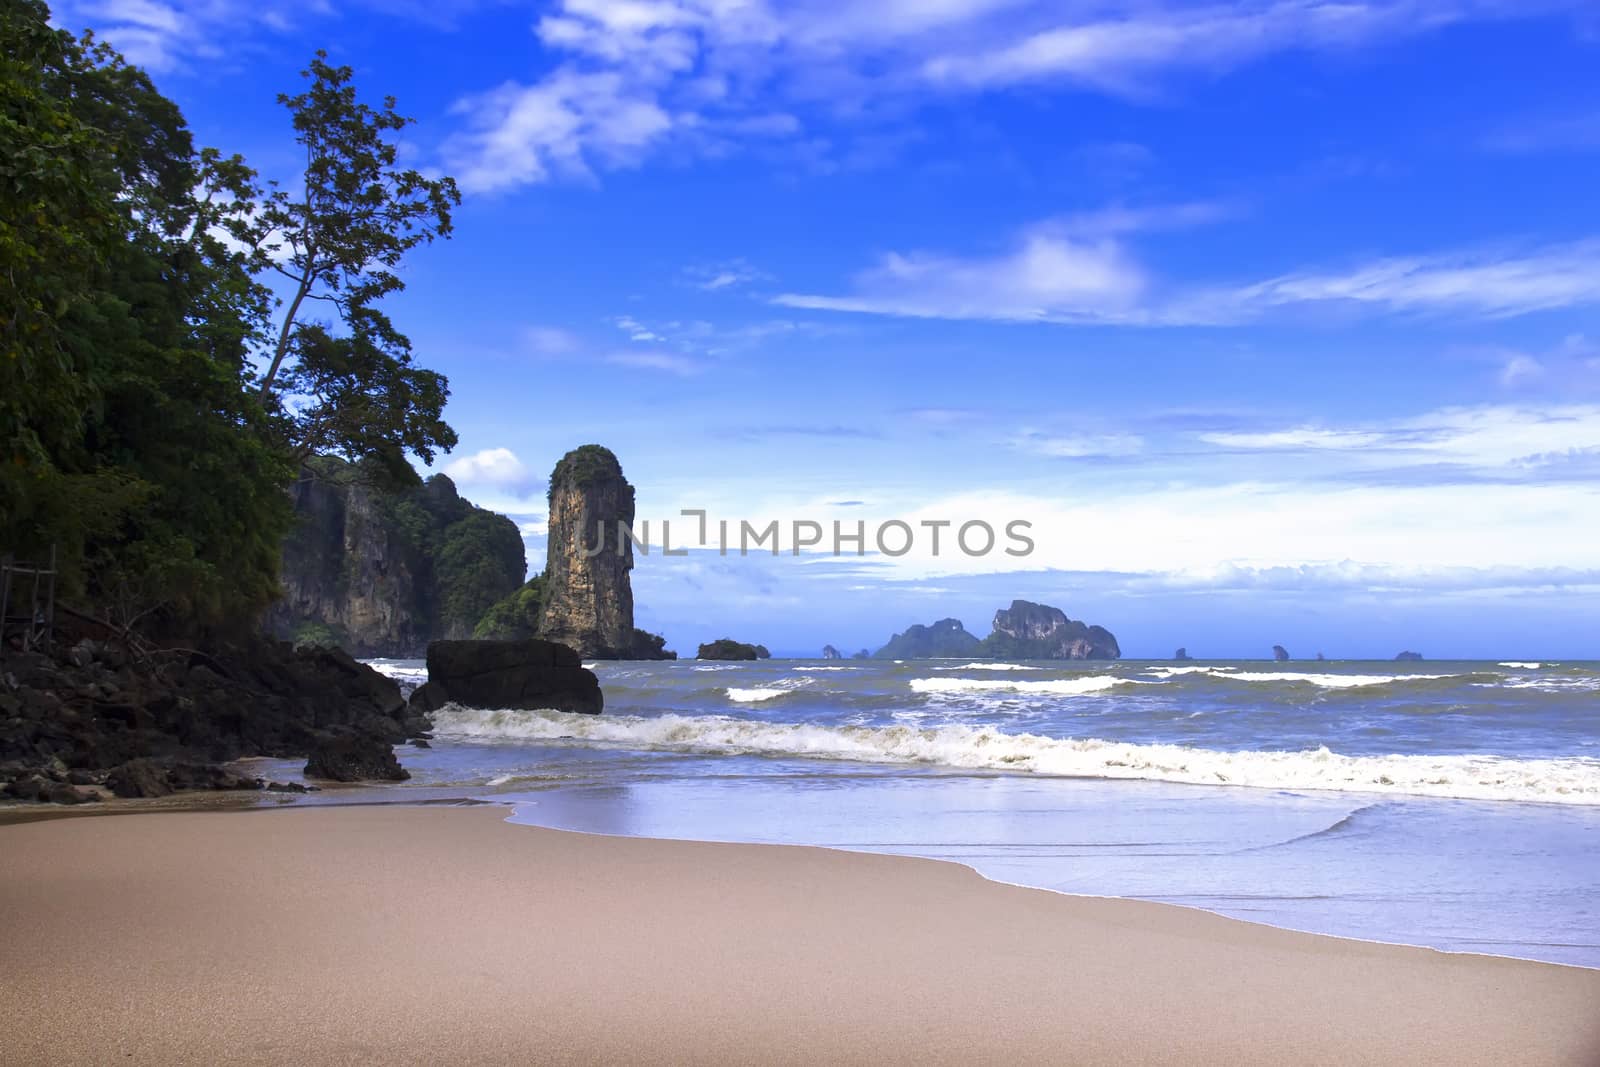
<point x="339" y="244"/>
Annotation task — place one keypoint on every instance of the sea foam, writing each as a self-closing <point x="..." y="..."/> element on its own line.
<point x="1093" y="683"/>
<point x="1564" y="781"/>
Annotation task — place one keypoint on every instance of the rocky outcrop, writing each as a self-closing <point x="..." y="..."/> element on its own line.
<point x="945" y="638"/>
<point x="829" y="652"/>
<point x="529" y="674"/>
<point x="354" y="756"/>
<point x="728" y="648"/>
<point x="647" y="645"/>
<point x="157" y="721"/>
<point x="1027" y="630"/>
<point x="588" y="596"/>
<point x="1409" y="657"/>
<point x="1182" y="654"/>
<point x="382" y="570"/>
<point x="1280" y="653"/>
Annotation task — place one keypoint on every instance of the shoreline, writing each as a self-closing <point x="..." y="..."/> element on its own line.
<point x="415" y="932"/>
<point x="222" y="802"/>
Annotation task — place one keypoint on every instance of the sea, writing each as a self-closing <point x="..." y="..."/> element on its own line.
<point x="1449" y="804"/>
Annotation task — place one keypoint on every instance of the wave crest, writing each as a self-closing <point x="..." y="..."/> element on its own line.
<point x="1565" y="781"/>
<point x="1093" y="683"/>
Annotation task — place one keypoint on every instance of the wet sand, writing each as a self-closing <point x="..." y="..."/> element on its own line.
<point x="427" y="935"/>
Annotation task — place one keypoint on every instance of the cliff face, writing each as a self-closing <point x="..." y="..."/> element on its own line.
<point x="1027" y="630"/>
<point x="947" y="637"/>
<point x="381" y="572"/>
<point x="589" y="599"/>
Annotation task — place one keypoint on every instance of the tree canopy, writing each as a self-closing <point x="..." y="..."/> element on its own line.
<point x="138" y="433"/>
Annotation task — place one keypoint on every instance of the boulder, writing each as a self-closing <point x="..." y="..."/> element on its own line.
<point x="139" y="778"/>
<point x="353" y="756"/>
<point x="507" y="674"/>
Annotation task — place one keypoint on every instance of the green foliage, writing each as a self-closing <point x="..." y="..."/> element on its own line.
<point x="515" y="617"/>
<point x="134" y="435"/>
<point x="647" y="645"/>
<point x="728" y="648"/>
<point x="318" y="635"/>
<point x="340" y="245"/>
<point x="480" y="557"/>
<point x="129" y="441"/>
<point x="584" y="466"/>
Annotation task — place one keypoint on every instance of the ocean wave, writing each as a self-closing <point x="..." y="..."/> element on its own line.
<point x="716" y="667"/>
<point x="1092" y="683"/>
<point x="1566" y="781"/>
<point x="757" y="694"/>
<point x="1337" y="681"/>
<point x="1514" y="665"/>
<point x="991" y="667"/>
<point x="1173" y="672"/>
<point x="827" y="668"/>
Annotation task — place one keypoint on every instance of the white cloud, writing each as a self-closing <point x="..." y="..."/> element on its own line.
<point x="1483" y="283"/>
<point x="631" y="76"/>
<point x="1078" y="446"/>
<point x="671" y="363"/>
<point x="1123" y="53"/>
<point x="496" y="467"/>
<point x="1046" y="277"/>
<point x="520" y="134"/>
<point x="550" y="340"/>
<point x="1062" y="272"/>
<point x="1500" y="439"/>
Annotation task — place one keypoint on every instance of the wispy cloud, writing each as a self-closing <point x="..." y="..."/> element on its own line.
<point x="668" y="362"/>
<point x="1566" y="133"/>
<point x="1052" y="274"/>
<point x="624" y="78"/>
<point x="1078" y="446"/>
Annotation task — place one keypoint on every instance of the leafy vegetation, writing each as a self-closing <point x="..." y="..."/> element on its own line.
<point x="137" y="434"/>
<point x="584" y="466"/>
<point x="516" y="616"/>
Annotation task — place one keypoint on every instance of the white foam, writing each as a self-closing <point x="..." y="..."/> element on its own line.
<point x="756" y="695"/>
<point x="1514" y="665"/>
<point x="717" y="667"/>
<point x="826" y="668"/>
<point x="1335" y="681"/>
<point x="400" y="670"/>
<point x="1172" y="672"/>
<point x="1091" y="683"/>
<point x="991" y="667"/>
<point x="1565" y="781"/>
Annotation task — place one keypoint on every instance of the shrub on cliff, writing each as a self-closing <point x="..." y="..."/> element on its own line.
<point x="514" y="617"/>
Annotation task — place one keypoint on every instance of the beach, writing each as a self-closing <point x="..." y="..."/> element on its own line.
<point x="403" y="933"/>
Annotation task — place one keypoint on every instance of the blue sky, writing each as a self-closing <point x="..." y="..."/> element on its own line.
<point x="1276" y="320"/>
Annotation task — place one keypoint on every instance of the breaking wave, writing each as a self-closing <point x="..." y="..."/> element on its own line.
<point x="1514" y="665"/>
<point x="1093" y="683"/>
<point x="1563" y="781"/>
<point x="991" y="667"/>
<point x="757" y="694"/>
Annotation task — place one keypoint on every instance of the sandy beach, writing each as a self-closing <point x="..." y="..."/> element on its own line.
<point x="437" y="934"/>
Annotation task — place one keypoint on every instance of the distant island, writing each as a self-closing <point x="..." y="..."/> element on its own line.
<point x="728" y="648"/>
<point x="1408" y="657"/>
<point x="1025" y="630"/>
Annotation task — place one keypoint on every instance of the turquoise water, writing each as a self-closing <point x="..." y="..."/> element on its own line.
<point x="1455" y="805"/>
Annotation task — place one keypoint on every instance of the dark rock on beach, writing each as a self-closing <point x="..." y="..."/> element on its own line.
<point x="154" y="721"/>
<point x="507" y="674"/>
<point x="354" y="756"/>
